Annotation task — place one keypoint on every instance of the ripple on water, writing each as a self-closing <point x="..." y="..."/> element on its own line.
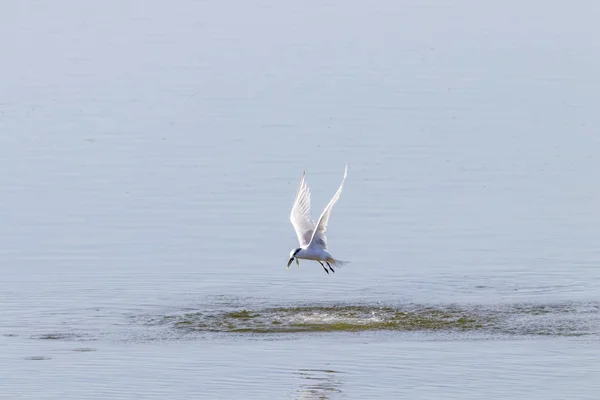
<point x="60" y="336"/>
<point x="84" y="349"/>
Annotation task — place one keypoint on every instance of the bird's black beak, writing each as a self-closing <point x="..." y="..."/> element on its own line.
<point x="290" y="262"/>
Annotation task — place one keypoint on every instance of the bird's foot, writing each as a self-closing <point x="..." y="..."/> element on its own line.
<point x="323" y="265"/>
<point x="329" y="265"/>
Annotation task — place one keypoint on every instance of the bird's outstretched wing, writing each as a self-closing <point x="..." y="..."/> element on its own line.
<point x="300" y="216"/>
<point x="318" y="237"/>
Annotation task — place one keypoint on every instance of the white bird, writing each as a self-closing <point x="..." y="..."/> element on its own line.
<point x="313" y="242"/>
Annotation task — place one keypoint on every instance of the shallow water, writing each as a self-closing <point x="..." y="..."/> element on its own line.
<point x="150" y="156"/>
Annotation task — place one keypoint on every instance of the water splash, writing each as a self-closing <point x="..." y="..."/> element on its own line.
<point x="528" y="319"/>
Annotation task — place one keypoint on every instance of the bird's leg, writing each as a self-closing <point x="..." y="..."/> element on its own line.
<point x="297" y="262"/>
<point x="329" y="265"/>
<point x="323" y="265"/>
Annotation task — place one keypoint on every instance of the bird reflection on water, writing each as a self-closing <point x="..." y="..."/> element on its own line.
<point x="319" y="384"/>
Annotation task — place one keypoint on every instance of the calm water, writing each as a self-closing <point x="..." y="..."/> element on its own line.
<point x="150" y="153"/>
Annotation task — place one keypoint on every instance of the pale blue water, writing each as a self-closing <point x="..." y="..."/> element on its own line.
<point x="150" y="153"/>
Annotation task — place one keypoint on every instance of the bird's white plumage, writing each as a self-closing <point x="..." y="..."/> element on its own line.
<point x="300" y="216"/>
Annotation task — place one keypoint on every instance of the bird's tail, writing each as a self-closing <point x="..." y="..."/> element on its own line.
<point x="337" y="263"/>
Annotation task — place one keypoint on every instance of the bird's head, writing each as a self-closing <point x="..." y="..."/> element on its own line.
<point x="293" y="256"/>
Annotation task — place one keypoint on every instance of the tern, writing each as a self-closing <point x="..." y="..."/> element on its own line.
<point x="313" y="242"/>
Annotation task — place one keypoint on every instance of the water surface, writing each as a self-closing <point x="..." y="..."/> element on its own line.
<point x="150" y="154"/>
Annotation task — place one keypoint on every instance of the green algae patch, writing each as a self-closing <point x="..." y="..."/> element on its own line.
<point x="337" y="319"/>
<point x="569" y="319"/>
<point x="242" y="314"/>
